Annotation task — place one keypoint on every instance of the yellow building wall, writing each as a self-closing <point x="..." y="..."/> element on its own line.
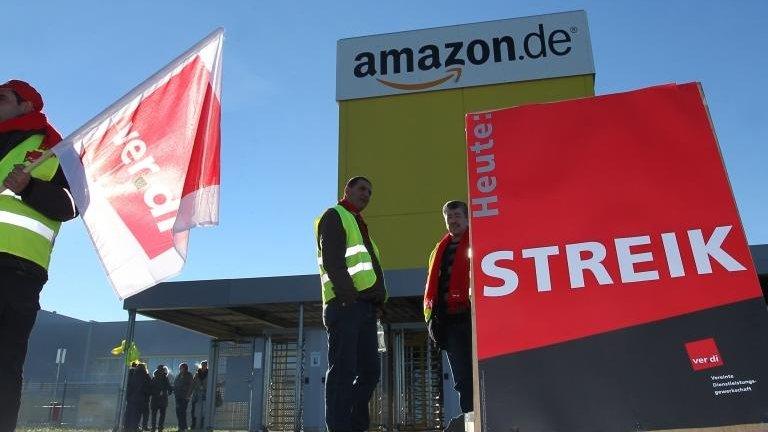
<point x="412" y="148"/>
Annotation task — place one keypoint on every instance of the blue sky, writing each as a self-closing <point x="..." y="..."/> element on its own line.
<point x="280" y="118"/>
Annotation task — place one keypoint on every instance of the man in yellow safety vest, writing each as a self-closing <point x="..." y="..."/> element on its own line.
<point x="32" y="207"/>
<point x="353" y="293"/>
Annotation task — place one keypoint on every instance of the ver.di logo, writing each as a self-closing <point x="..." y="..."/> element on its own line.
<point x="453" y="57"/>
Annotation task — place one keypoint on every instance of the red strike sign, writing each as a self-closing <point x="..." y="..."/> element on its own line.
<point x="599" y="214"/>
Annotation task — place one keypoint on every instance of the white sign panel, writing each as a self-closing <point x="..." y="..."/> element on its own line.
<point x="493" y="52"/>
<point x="61" y="355"/>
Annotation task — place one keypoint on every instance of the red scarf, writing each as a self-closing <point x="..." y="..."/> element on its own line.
<point x="360" y="222"/>
<point x="34" y="121"/>
<point x="458" y="286"/>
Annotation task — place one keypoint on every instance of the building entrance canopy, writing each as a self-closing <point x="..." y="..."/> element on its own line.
<point x="233" y="309"/>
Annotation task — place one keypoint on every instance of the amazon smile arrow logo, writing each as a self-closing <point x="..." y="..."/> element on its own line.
<point x="452" y="72"/>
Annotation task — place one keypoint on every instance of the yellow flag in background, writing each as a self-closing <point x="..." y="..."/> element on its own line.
<point x="133" y="352"/>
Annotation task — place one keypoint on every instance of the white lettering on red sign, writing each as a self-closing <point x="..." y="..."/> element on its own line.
<point x="589" y="257"/>
<point x="485" y="164"/>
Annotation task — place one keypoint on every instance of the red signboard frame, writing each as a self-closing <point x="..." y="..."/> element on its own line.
<point x="597" y="215"/>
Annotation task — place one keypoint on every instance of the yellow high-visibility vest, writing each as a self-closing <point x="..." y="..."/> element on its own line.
<point x="25" y="232"/>
<point x="357" y="256"/>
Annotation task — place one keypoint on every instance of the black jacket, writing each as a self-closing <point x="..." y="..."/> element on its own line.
<point x="160" y="388"/>
<point x="138" y="388"/>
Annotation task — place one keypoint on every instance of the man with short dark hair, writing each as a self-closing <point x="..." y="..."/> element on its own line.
<point x="136" y="395"/>
<point x="144" y="405"/>
<point x="353" y="293"/>
<point x="32" y="207"/>
<point x="447" y="309"/>
<point x="161" y="388"/>
<point x="199" y="394"/>
<point x="182" y="389"/>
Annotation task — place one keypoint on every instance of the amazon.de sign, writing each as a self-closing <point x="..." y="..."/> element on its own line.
<point x="493" y="52"/>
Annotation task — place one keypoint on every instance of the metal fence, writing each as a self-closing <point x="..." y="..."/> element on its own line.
<point x="68" y="404"/>
<point x="92" y="406"/>
<point x="233" y="410"/>
<point x="413" y="402"/>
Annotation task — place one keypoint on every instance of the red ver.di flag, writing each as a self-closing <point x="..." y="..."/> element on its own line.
<point x="614" y="288"/>
<point x="146" y="170"/>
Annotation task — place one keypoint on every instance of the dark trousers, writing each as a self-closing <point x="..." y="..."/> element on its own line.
<point x="144" y="414"/>
<point x="19" y="297"/>
<point x="155" y="410"/>
<point x="456" y="340"/>
<point x="353" y="365"/>
<point x="198" y="407"/>
<point x="181" y="412"/>
<point x="132" y="415"/>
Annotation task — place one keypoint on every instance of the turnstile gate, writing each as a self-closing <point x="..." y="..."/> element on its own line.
<point x="282" y="412"/>
<point x="418" y="382"/>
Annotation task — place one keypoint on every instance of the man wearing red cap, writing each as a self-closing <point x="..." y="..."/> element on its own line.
<point x="32" y="207"/>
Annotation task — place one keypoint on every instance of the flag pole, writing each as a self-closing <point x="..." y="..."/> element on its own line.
<point x="29" y="167"/>
<point x="136" y="92"/>
<point x="126" y="352"/>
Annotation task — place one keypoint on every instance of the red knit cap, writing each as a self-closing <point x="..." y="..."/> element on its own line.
<point x="27" y="92"/>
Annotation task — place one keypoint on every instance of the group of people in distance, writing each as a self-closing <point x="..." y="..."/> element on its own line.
<point x="145" y="394"/>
